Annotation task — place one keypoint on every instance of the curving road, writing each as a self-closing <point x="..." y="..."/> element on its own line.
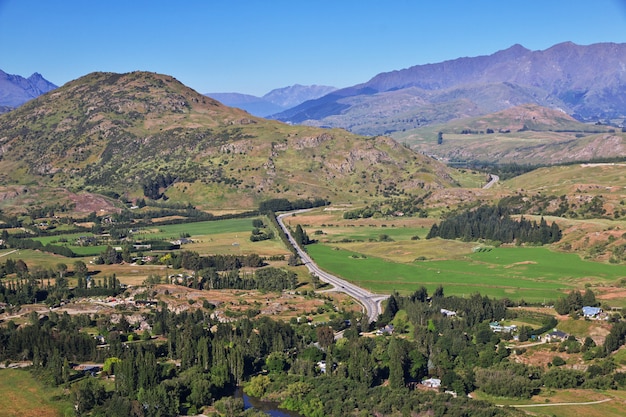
<point x="372" y="303"/>
<point x="493" y="178"/>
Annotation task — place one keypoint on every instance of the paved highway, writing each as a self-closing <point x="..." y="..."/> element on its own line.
<point x="372" y="303"/>
<point x="492" y="180"/>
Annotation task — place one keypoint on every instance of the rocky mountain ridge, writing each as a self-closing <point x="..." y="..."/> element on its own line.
<point x="15" y="90"/>
<point x="587" y="82"/>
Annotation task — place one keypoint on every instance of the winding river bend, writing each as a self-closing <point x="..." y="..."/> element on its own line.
<point x="268" y="407"/>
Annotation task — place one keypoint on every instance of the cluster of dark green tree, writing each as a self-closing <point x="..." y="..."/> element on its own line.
<point x="301" y="237"/>
<point x="23" y="243"/>
<point x="575" y="301"/>
<point x="329" y="396"/>
<point x="195" y="262"/>
<point x="282" y="204"/>
<point x="23" y="286"/>
<point x="265" y="279"/>
<point x="408" y="206"/>
<point x="494" y="223"/>
<point x="616" y="338"/>
<point x="374" y="374"/>
<point x="147" y="380"/>
<point x="464" y="352"/>
<point x="260" y="231"/>
<point x="152" y="187"/>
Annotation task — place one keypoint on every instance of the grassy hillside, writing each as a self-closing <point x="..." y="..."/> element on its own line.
<point x="123" y="134"/>
<point x="526" y="134"/>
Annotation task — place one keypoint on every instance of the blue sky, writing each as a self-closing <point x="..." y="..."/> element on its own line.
<point x="253" y="46"/>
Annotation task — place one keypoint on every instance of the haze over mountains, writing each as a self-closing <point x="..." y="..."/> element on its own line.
<point x="16" y="90"/>
<point x="275" y="101"/>
<point x="587" y="82"/>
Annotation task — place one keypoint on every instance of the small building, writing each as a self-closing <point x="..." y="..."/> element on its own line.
<point x="591" y="312"/>
<point x="139" y="246"/>
<point x="181" y="241"/>
<point x="432" y="383"/>
<point x="496" y="327"/>
<point x="388" y="329"/>
<point x="556" y="336"/>
<point x="448" y="313"/>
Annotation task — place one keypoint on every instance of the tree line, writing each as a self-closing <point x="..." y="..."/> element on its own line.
<point x="494" y="223"/>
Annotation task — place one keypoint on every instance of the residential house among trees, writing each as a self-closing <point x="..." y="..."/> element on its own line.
<point x="591" y="312"/>
<point x="556" y="336"/>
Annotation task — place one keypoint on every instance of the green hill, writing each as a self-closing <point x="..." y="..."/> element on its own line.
<point x="144" y="134"/>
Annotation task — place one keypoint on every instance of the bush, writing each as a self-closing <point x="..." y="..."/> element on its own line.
<point x="558" y="361"/>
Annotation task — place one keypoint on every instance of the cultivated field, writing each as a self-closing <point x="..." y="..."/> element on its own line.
<point x="355" y="250"/>
<point x="531" y="274"/>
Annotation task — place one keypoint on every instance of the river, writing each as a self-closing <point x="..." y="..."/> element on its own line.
<point x="268" y="407"/>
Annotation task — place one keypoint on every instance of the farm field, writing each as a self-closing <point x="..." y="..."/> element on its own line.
<point x="219" y="236"/>
<point x="533" y="274"/>
<point x="22" y="396"/>
<point x="228" y="237"/>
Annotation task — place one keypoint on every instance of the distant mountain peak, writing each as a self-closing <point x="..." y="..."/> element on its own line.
<point x="296" y="94"/>
<point x="275" y="101"/>
<point x="16" y="90"/>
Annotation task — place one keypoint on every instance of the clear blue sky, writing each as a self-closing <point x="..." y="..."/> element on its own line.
<point x="254" y="46"/>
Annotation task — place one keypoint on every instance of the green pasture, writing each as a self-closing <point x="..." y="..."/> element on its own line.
<point x="368" y="233"/>
<point x="229" y="237"/>
<point x="42" y="259"/>
<point x="167" y="232"/>
<point x="69" y="238"/>
<point x="22" y="395"/>
<point x="533" y="274"/>
<point x="174" y="231"/>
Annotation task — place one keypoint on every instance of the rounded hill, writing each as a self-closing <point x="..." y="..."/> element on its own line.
<point x="144" y="134"/>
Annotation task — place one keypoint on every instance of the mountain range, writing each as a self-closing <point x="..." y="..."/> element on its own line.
<point x="16" y="90"/>
<point x="587" y="82"/>
<point x="142" y="134"/>
<point x="275" y="101"/>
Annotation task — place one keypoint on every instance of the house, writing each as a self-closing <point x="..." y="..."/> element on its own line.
<point x="138" y="246"/>
<point x="591" y="312"/>
<point x="87" y="369"/>
<point x="556" y="336"/>
<point x="448" y="313"/>
<point x="496" y="327"/>
<point x="181" y="241"/>
<point x="388" y="329"/>
<point x="146" y="302"/>
<point x="432" y="383"/>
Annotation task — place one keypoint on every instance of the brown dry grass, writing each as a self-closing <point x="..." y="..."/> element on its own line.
<point x="279" y="305"/>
